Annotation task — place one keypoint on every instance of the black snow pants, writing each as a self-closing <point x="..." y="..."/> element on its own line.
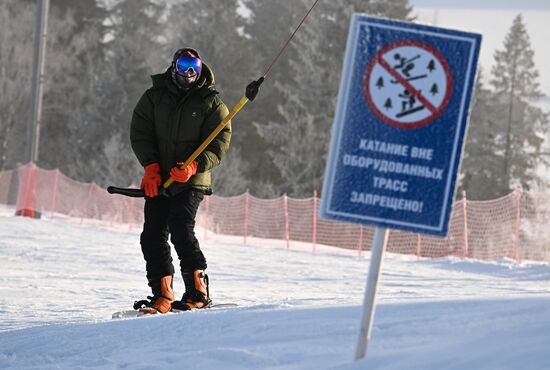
<point x="175" y="216"/>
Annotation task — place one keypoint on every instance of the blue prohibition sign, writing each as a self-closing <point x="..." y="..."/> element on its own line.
<point x="400" y="123"/>
<point x="408" y="84"/>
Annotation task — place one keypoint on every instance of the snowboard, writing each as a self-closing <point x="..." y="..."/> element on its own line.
<point x="136" y="313"/>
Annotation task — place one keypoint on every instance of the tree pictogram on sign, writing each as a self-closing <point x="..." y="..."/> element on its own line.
<point x="408" y="84"/>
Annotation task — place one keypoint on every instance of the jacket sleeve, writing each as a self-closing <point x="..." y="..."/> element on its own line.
<point x="142" y="131"/>
<point x="213" y="153"/>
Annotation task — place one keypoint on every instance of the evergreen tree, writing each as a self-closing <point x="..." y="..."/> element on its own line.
<point x="521" y="124"/>
<point x="270" y="24"/>
<point x="216" y="33"/>
<point x="134" y="29"/>
<point x="17" y="21"/>
<point x="72" y="46"/>
<point x="481" y="170"/>
<point x="309" y="90"/>
<point x="72" y="53"/>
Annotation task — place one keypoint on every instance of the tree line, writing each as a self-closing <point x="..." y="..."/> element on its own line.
<point x="100" y="55"/>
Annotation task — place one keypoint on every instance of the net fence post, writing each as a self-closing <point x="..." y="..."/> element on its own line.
<point x="360" y="241"/>
<point x="131" y="213"/>
<point x="246" y="208"/>
<point x="26" y="196"/>
<point x="518" y="222"/>
<point x="287" y="233"/>
<point x="54" y="193"/>
<point x="90" y="191"/>
<point x="314" y="231"/>
<point x="465" y="216"/>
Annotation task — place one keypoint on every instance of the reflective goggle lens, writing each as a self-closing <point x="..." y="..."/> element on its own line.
<point x="184" y="64"/>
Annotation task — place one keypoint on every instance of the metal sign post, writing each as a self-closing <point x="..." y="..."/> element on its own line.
<point x="378" y="250"/>
<point x="398" y="133"/>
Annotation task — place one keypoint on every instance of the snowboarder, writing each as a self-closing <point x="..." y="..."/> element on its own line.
<point x="169" y="122"/>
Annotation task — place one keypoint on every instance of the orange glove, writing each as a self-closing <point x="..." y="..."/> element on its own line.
<point x="151" y="180"/>
<point x="185" y="174"/>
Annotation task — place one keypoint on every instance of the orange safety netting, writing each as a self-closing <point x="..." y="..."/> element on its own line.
<point x="515" y="226"/>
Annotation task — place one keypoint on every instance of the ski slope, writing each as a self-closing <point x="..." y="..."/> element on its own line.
<point x="61" y="281"/>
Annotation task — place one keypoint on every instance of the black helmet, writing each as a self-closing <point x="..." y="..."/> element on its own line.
<point x="177" y="55"/>
<point x="179" y="52"/>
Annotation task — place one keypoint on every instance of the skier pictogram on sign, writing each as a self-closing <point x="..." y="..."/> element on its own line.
<point x="408" y="84"/>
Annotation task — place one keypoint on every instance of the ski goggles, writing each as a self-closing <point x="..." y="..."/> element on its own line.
<point x="184" y="64"/>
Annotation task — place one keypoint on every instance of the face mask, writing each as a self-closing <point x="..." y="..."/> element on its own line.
<point x="185" y="82"/>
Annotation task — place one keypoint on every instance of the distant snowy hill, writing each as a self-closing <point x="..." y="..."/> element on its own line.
<point x="61" y="281"/>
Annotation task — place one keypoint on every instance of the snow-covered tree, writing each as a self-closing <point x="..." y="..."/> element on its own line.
<point x="514" y="79"/>
<point x="309" y="87"/>
<point x="132" y="49"/>
<point x="72" y="47"/>
<point x="270" y="23"/>
<point x="72" y="53"/>
<point x="16" y="47"/>
<point x="216" y="32"/>
<point x="481" y="169"/>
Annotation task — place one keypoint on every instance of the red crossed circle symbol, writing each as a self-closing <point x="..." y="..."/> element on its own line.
<point x="435" y="110"/>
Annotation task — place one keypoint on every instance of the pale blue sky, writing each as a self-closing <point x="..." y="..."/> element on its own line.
<point x="484" y="4"/>
<point x="493" y="23"/>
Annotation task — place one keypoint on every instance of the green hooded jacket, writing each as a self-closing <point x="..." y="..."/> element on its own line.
<point x="169" y="125"/>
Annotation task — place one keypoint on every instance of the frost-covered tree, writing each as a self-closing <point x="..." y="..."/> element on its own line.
<point x="132" y="47"/>
<point x="216" y="33"/>
<point x="269" y="25"/>
<point x="301" y="130"/>
<point x="228" y="178"/>
<point x="521" y="135"/>
<point x="72" y="46"/>
<point x="16" y="45"/>
<point x="73" y="51"/>
<point x="481" y="169"/>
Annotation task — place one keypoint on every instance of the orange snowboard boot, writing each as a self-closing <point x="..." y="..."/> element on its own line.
<point x="197" y="292"/>
<point x="161" y="301"/>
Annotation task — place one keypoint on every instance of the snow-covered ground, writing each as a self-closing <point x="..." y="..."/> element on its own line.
<point x="61" y="281"/>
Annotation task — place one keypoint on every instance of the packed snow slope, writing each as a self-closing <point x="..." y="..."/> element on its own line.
<point x="61" y="281"/>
